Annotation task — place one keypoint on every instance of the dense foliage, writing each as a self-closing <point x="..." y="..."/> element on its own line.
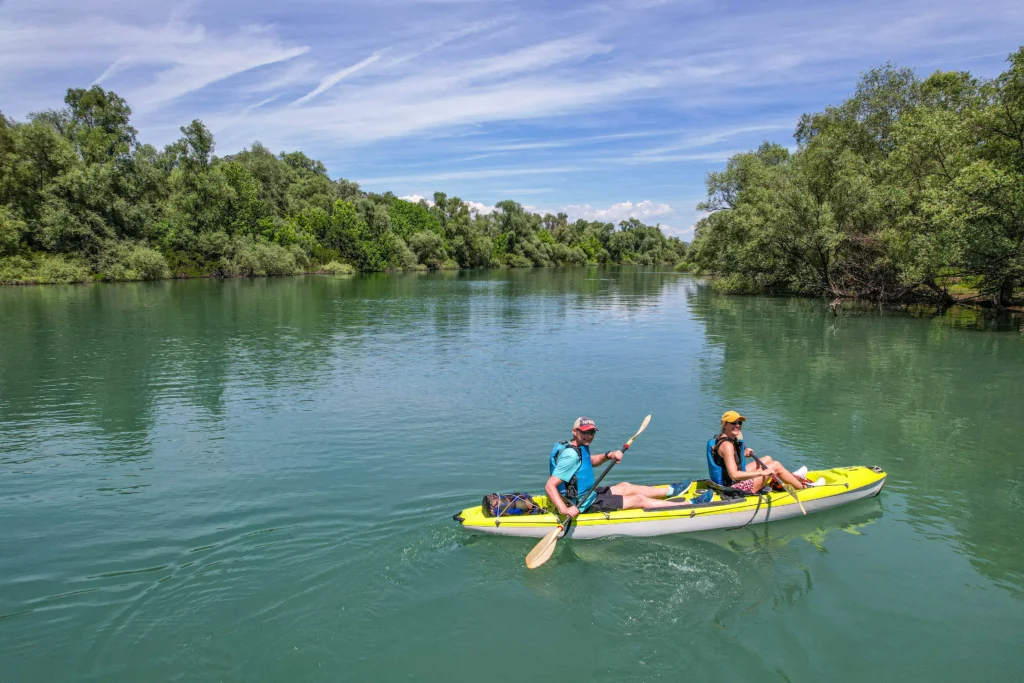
<point x="910" y="188"/>
<point x="81" y="198"/>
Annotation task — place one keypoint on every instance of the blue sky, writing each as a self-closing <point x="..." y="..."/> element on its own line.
<point x="603" y="110"/>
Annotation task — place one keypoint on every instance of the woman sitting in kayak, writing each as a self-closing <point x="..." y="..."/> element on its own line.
<point x="725" y="460"/>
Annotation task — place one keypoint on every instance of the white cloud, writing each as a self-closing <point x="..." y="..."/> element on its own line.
<point x="481" y="209"/>
<point x="417" y="198"/>
<point x="478" y="207"/>
<point x="643" y="211"/>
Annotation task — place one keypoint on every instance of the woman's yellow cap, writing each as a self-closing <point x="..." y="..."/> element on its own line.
<point x="732" y="416"/>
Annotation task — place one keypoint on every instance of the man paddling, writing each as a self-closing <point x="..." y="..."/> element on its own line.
<point x="571" y="470"/>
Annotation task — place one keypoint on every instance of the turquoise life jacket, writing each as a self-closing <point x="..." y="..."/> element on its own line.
<point x="582" y="481"/>
<point x="716" y="465"/>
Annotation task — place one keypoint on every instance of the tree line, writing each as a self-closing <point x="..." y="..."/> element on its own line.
<point x="911" y="189"/>
<point x="82" y="199"/>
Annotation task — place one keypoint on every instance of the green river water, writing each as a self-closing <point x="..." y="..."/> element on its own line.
<point x="254" y="480"/>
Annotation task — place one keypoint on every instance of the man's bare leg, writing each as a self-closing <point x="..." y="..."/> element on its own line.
<point x="627" y="489"/>
<point x="636" y="501"/>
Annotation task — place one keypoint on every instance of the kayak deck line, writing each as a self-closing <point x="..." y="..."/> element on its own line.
<point x="843" y="485"/>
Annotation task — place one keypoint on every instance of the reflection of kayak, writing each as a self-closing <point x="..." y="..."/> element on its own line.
<point x="842" y="485"/>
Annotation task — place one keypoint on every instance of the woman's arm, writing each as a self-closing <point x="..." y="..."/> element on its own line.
<point x="728" y="453"/>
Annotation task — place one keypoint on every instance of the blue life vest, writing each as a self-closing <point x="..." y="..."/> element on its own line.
<point x="716" y="466"/>
<point x="582" y="481"/>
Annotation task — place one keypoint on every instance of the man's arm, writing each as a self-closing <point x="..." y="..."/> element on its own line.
<point x="596" y="460"/>
<point x="551" y="488"/>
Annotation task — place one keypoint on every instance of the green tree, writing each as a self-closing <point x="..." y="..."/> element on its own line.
<point x="97" y="123"/>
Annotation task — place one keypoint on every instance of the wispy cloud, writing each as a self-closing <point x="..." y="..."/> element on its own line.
<point x="705" y="139"/>
<point x="573" y="142"/>
<point x="178" y="58"/>
<point x="467" y="175"/>
<point x="336" y="77"/>
<point x="623" y="98"/>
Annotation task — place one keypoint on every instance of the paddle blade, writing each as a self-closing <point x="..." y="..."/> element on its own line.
<point x="792" y="491"/>
<point x="647" y="421"/>
<point x="542" y="551"/>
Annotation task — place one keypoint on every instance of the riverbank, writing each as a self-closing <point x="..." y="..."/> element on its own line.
<point x="922" y="302"/>
<point x="58" y="271"/>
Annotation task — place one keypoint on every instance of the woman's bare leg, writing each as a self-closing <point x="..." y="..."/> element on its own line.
<point x="785" y="475"/>
<point x="779" y="471"/>
<point x="760" y="482"/>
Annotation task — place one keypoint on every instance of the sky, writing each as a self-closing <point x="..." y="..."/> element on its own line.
<point x="603" y="110"/>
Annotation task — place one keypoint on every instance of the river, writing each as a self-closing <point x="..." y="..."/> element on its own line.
<point x="253" y="480"/>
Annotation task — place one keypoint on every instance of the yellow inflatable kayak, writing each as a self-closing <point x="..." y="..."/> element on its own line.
<point x="842" y="485"/>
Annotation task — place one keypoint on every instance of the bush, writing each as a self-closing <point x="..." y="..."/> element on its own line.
<point x="404" y="256"/>
<point x="59" y="270"/>
<point x="16" y="270"/>
<point x="146" y="263"/>
<point x="258" y="258"/>
<point x="450" y="264"/>
<point x="577" y="257"/>
<point x="299" y="254"/>
<point x="517" y="261"/>
<point x="335" y="268"/>
<point x="122" y="261"/>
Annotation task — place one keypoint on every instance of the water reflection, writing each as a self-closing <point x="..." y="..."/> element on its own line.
<point x="882" y="390"/>
<point x="105" y="355"/>
<point x="814" y="530"/>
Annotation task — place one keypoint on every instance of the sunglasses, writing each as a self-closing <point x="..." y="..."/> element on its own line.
<point x="589" y="432"/>
<point x="735" y="424"/>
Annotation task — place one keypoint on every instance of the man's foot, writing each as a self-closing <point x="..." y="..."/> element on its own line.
<point x="802" y="472"/>
<point x="677" y="488"/>
<point x="820" y="482"/>
<point x="704" y="497"/>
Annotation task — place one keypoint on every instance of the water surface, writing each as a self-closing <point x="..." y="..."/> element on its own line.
<point x="254" y="480"/>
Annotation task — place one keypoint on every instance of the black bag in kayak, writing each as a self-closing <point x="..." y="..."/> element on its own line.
<point x="498" y="504"/>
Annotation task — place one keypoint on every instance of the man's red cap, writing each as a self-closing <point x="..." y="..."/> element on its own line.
<point x="584" y="424"/>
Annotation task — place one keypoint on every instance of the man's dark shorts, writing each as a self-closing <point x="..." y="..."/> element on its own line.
<point x="606" y="501"/>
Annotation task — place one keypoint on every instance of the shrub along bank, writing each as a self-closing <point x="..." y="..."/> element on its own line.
<point x="82" y="199"/>
<point x="909" y="189"/>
